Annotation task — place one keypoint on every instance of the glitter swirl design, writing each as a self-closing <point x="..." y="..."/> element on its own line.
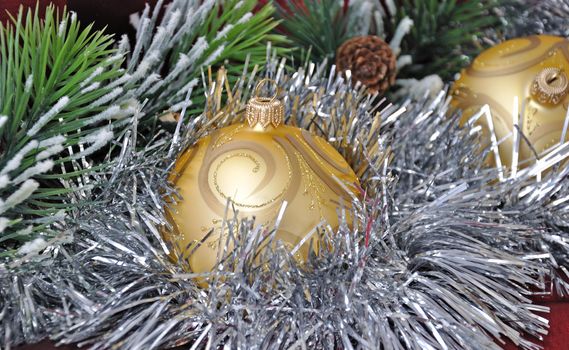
<point x="509" y="57"/>
<point x="218" y="153"/>
<point x="257" y="165"/>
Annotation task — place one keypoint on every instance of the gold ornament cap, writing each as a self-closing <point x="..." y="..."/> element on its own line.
<point x="264" y="111"/>
<point x="550" y="85"/>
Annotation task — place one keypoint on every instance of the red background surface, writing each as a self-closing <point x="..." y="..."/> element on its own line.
<point x="115" y="15"/>
<point x="11" y="6"/>
<point x="558" y="337"/>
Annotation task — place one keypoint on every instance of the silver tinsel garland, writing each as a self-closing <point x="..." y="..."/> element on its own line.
<point x="444" y="253"/>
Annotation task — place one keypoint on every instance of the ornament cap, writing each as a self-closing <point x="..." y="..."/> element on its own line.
<point x="550" y="85"/>
<point x="265" y="111"/>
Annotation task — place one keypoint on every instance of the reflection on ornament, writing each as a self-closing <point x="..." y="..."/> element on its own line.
<point x="535" y="70"/>
<point x="257" y="166"/>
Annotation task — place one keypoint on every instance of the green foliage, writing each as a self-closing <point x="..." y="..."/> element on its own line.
<point x="221" y="33"/>
<point x="315" y="26"/>
<point x="46" y="68"/>
<point x="246" y="39"/>
<point x="445" y="34"/>
<point x="242" y="36"/>
<point x="57" y="65"/>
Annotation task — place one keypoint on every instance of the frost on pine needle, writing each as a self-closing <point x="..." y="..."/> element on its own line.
<point x="222" y="33"/>
<point x="17" y="181"/>
<point x="188" y="87"/>
<point x="105" y="99"/>
<point x="28" y="85"/>
<point x="214" y="56"/>
<point x="4" y="181"/>
<point x="47" y="117"/>
<point x="40" y="168"/>
<point x="96" y="141"/>
<point x="198" y="49"/>
<point x="430" y="85"/>
<point x="245" y="18"/>
<point x="15" y="162"/>
<point x="93" y="75"/>
<point x="33" y="246"/>
<point x="403" y="28"/>
<point x="21" y="193"/>
<point x="4" y="222"/>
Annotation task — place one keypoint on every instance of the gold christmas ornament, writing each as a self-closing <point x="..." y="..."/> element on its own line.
<point x="535" y="70"/>
<point x="257" y="166"/>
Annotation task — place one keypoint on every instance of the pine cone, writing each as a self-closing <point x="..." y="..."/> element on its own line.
<point x="370" y="60"/>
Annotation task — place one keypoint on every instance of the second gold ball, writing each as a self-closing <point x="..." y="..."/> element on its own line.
<point x="534" y="69"/>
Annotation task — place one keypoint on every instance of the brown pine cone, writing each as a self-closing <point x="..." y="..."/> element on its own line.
<point x="370" y="60"/>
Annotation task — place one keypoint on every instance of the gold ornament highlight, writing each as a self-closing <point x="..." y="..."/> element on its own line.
<point x="257" y="166"/>
<point x="535" y="70"/>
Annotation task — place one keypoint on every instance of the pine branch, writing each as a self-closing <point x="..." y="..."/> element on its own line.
<point x="318" y="26"/>
<point x="52" y="73"/>
<point x="445" y="34"/>
<point x="166" y="60"/>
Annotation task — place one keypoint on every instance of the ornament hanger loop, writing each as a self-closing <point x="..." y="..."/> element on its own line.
<point x="262" y="83"/>
<point x="550" y="86"/>
<point x="265" y="111"/>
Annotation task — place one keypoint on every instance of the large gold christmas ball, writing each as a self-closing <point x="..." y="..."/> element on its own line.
<point x="257" y="166"/>
<point x="535" y="69"/>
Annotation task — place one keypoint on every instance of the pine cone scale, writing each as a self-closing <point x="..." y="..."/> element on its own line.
<point x="370" y="60"/>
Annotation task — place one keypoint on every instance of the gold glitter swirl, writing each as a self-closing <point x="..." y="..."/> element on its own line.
<point x="503" y="63"/>
<point x="211" y="155"/>
<point x="312" y="187"/>
<point x="255" y="169"/>
<point x="222" y="139"/>
<point x="319" y="152"/>
<point x="313" y="163"/>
